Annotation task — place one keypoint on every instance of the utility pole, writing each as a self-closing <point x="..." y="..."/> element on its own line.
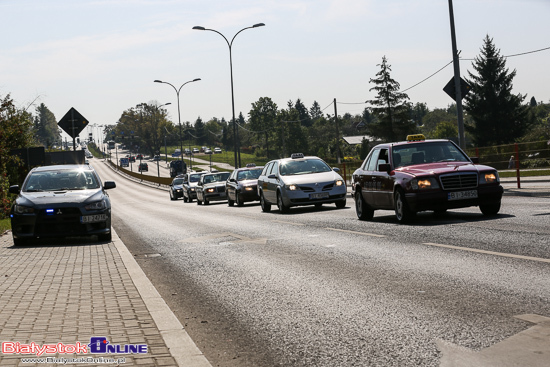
<point x="458" y="93"/>
<point x="338" y="152"/>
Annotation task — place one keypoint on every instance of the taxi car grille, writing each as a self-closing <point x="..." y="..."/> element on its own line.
<point x="459" y="181"/>
<point x="312" y="189"/>
<point x="220" y="189"/>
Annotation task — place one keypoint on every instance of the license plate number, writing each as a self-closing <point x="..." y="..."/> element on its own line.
<point x="319" y="195"/>
<point x="93" y="218"/>
<point x="461" y="195"/>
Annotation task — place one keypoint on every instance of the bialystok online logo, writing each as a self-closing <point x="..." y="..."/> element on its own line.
<point x="98" y="345"/>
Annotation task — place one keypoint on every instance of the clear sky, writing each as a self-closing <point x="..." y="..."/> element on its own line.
<point x="102" y="56"/>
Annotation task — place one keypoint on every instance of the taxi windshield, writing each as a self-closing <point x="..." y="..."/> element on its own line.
<point x="427" y="152"/>
<point x="194" y="178"/>
<point x="303" y="166"/>
<point x="250" y="174"/>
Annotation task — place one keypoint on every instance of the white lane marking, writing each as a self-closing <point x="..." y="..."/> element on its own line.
<point x="503" y="254"/>
<point x="355" y="232"/>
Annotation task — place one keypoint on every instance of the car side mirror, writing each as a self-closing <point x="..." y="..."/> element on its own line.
<point x="475" y="160"/>
<point x="109" y="185"/>
<point x="384" y="167"/>
<point x="232" y="180"/>
<point x="336" y="169"/>
<point x="14" y="189"/>
<point x="272" y="176"/>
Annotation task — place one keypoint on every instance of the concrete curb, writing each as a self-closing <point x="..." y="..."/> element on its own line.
<point x="179" y="343"/>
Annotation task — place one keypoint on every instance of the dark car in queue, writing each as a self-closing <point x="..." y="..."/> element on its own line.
<point x="242" y="185"/>
<point x="419" y="175"/>
<point x="143" y="167"/>
<point x="300" y="180"/>
<point x="211" y="187"/>
<point x="190" y="185"/>
<point x="61" y="201"/>
<point x="176" y="187"/>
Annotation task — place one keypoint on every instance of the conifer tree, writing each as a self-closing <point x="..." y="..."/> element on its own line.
<point x="498" y="115"/>
<point x="390" y="107"/>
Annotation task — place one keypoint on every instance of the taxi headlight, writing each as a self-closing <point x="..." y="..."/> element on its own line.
<point x="20" y="209"/>
<point x="249" y="188"/>
<point x="424" y="183"/>
<point x="210" y="190"/>
<point x="292" y="187"/>
<point x="192" y="189"/>
<point x="339" y="183"/>
<point x="98" y="205"/>
<point x="489" y="177"/>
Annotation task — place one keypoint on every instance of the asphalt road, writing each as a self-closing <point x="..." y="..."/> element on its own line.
<point x="321" y="288"/>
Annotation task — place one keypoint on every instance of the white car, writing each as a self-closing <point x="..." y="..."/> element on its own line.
<point x="217" y="150"/>
<point x="300" y="181"/>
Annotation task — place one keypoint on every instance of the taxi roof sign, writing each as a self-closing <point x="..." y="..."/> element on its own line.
<point x="297" y="155"/>
<point x="416" y="137"/>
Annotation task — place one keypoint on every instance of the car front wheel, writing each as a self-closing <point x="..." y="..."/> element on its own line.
<point x="402" y="211"/>
<point x="490" y="209"/>
<point x="239" y="199"/>
<point x="266" y="207"/>
<point x="364" y="212"/>
<point x="280" y="204"/>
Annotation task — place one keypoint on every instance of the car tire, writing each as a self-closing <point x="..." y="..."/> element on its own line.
<point x="229" y="201"/>
<point x="239" y="199"/>
<point x="20" y="241"/>
<point x="206" y="202"/>
<point x="266" y="207"/>
<point x="105" y="237"/>
<point x="184" y="198"/>
<point x="171" y="196"/>
<point x="199" y="202"/>
<point x="402" y="211"/>
<point x="362" y="209"/>
<point x="341" y="204"/>
<point x="490" y="209"/>
<point x="280" y="204"/>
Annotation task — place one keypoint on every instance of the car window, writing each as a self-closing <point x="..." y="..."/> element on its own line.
<point x="366" y="162"/>
<point x="61" y="180"/>
<point x="373" y="161"/>
<point x="267" y="169"/>
<point x="303" y="166"/>
<point x="274" y="168"/>
<point x="178" y="181"/>
<point x="429" y="152"/>
<point x="251" y="174"/>
<point x="194" y="178"/>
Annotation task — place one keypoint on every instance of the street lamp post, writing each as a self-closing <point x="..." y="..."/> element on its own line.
<point x="158" y="153"/>
<point x="230" y="44"/>
<point x="179" y="115"/>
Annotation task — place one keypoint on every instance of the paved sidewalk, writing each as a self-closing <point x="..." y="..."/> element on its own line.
<point x="71" y="291"/>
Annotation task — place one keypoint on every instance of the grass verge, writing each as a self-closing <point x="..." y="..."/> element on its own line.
<point x="5" y="224"/>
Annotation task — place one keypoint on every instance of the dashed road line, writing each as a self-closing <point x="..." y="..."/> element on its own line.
<point x="502" y="254"/>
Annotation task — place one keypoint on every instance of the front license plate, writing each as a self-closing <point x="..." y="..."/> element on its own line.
<point x="93" y="218"/>
<point x="460" y="195"/>
<point x="319" y="195"/>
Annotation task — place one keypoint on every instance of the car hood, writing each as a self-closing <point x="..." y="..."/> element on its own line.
<point x="443" y="168"/>
<point x="311" y="178"/>
<point x="71" y="197"/>
<point x="214" y="184"/>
